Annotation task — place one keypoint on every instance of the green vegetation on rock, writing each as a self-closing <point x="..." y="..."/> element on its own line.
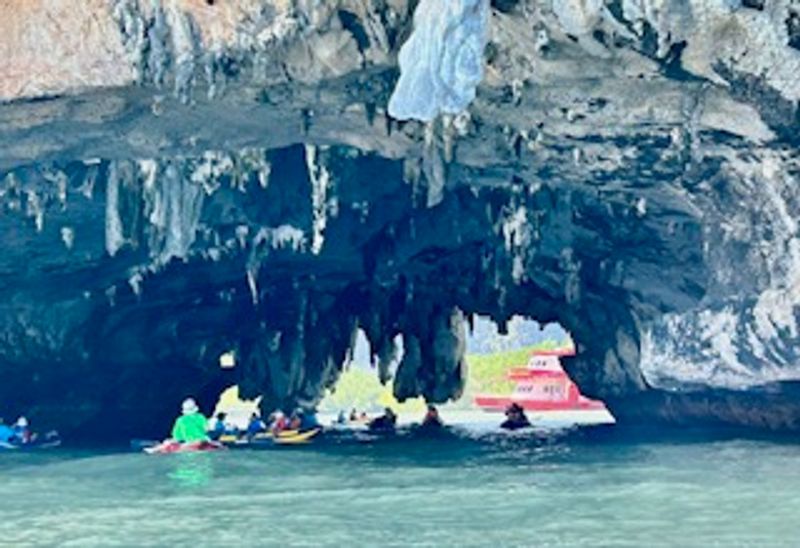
<point x="486" y="373"/>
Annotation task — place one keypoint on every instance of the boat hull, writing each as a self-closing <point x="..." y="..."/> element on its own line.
<point x="169" y="447"/>
<point x="501" y="403"/>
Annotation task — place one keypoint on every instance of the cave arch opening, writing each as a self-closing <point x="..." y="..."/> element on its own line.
<point x="518" y="362"/>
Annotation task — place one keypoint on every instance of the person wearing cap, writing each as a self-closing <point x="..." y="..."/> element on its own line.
<point x="22" y="434"/>
<point x="191" y="425"/>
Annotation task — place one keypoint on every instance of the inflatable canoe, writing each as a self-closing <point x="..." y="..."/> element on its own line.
<point x="171" y="446"/>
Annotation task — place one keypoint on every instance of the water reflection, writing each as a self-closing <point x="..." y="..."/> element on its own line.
<point x="192" y="470"/>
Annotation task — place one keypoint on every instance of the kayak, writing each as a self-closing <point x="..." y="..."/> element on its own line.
<point x="349" y="426"/>
<point x="234" y="439"/>
<point x="47" y="442"/>
<point x="290" y="438"/>
<point x="171" y="446"/>
<point x="268" y="439"/>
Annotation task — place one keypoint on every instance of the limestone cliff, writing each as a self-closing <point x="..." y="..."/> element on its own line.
<point x="181" y="178"/>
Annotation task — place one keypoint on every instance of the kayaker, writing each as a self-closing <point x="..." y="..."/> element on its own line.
<point x="308" y="421"/>
<point x="217" y="426"/>
<point x="432" y="418"/>
<point x="22" y="433"/>
<point x="386" y="421"/>
<point x="191" y="425"/>
<point x="255" y="425"/>
<point x="353" y="415"/>
<point x="278" y="422"/>
<point x="515" y="418"/>
<point x="295" y="422"/>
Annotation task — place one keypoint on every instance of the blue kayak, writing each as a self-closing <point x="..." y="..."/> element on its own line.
<point x="48" y="441"/>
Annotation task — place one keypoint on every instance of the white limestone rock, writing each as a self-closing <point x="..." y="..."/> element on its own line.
<point x="441" y="64"/>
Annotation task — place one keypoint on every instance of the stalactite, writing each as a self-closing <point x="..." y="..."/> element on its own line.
<point x="433" y="166"/>
<point x="114" y="237"/>
<point x="320" y="187"/>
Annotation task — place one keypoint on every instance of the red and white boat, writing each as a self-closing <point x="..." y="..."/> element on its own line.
<point x="543" y="386"/>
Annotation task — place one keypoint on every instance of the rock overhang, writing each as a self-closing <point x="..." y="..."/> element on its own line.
<point x="589" y="182"/>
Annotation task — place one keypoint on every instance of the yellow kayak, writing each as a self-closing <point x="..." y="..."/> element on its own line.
<point x="283" y="437"/>
<point x="228" y="438"/>
<point x="288" y="437"/>
<point x="231" y="438"/>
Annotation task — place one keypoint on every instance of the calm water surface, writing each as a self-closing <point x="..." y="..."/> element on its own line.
<point x="464" y="490"/>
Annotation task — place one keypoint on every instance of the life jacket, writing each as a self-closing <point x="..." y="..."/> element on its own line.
<point x="255" y="426"/>
<point x="22" y="434"/>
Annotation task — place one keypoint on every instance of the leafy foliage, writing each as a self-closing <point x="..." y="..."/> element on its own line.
<point x="359" y="387"/>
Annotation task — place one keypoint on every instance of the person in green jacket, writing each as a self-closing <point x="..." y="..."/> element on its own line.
<point x="191" y="425"/>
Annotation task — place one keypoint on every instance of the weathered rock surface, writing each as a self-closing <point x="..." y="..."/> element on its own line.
<point x="183" y="178"/>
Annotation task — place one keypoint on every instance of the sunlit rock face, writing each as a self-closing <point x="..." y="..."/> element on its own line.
<point x="199" y="177"/>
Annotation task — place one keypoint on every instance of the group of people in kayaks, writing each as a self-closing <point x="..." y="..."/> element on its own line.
<point x="277" y="424"/>
<point x="515" y="419"/>
<point x="193" y="431"/>
<point x="20" y="436"/>
<point x="385" y="422"/>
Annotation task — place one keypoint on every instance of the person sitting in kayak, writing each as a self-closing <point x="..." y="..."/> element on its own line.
<point x="432" y="418"/>
<point x="217" y="427"/>
<point x="385" y="422"/>
<point x="22" y="433"/>
<point x="308" y="421"/>
<point x="353" y="415"/>
<point x="295" y="421"/>
<point x="191" y="425"/>
<point x="279" y="423"/>
<point x="515" y="418"/>
<point x="255" y="426"/>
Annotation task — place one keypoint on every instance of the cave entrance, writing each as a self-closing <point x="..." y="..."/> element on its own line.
<point x="237" y="410"/>
<point x="521" y="365"/>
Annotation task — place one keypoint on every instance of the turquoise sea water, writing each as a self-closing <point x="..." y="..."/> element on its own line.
<point x="463" y="490"/>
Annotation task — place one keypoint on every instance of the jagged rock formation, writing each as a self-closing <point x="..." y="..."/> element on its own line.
<point x="193" y="177"/>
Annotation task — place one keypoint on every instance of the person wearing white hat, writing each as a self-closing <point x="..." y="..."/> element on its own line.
<point x="279" y="422"/>
<point x="21" y="430"/>
<point x="191" y="425"/>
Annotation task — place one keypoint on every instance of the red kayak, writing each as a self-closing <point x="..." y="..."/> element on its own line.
<point x="171" y="446"/>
